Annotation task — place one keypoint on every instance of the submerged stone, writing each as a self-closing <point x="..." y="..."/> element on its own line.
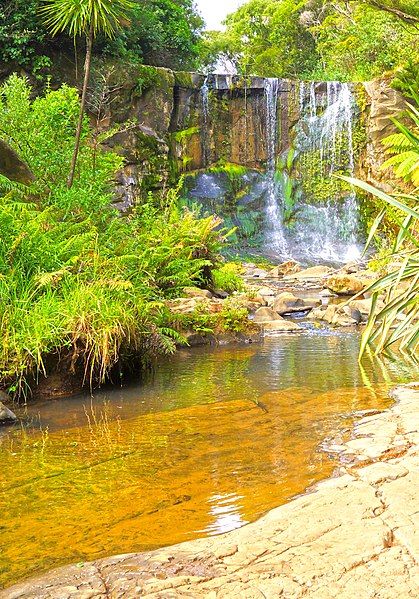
<point x="6" y="415"/>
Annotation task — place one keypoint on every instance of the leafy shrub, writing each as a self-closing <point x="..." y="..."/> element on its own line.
<point x="227" y="277"/>
<point x="398" y="320"/>
<point x="75" y="281"/>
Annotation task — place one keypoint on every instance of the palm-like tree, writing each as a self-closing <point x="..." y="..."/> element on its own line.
<point x="88" y="18"/>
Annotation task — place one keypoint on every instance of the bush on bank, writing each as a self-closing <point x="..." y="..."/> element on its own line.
<point x="77" y="282"/>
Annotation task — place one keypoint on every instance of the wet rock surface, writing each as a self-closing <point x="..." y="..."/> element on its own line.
<point x="353" y="536"/>
<point x="346" y="284"/>
<point x="6" y="415"/>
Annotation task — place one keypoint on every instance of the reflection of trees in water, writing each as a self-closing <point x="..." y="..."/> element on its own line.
<point x="189" y="453"/>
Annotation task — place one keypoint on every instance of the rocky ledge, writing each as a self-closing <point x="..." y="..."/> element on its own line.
<point x="352" y="536"/>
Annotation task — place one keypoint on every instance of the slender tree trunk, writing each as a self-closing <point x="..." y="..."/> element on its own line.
<point x="82" y="106"/>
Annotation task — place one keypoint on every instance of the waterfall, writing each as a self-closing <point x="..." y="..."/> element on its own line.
<point x="275" y="238"/>
<point x="328" y="230"/>
<point x="297" y="208"/>
<point x="206" y="152"/>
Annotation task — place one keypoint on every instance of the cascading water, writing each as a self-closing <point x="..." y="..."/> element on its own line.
<point x="296" y="208"/>
<point x="327" y="230"/>
<point x="205" y="122"/>
<point x="275" y="238"/>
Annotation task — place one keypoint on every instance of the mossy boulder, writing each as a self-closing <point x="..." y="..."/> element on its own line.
<point x="346" y="284"/>
<point x="13" y="167"/>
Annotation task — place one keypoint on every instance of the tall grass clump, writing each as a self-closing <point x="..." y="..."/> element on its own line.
<point x="79" y="285"/>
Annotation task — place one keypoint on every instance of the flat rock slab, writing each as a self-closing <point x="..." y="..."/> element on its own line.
<point x="354" y="536"/>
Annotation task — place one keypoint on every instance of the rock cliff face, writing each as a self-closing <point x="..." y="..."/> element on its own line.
<point x="382" y="103"/>
<point x="12" y="167"/>
<point x="176" y="122"/>
<point x="179" y="122"/>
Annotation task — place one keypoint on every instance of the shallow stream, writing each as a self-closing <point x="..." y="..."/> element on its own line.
<point x="214" y="439"/>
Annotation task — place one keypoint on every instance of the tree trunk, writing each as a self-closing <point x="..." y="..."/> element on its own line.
<point x="89" y="40"/>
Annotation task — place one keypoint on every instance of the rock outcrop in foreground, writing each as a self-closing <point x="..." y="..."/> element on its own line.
<point x="353" y="537"/>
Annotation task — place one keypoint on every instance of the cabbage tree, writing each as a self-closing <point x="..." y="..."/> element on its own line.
<point x="87" y="18"/>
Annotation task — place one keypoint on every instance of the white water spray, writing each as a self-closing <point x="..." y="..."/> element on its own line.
<point x="275" y="238"/>
<point x="329" y="231"/>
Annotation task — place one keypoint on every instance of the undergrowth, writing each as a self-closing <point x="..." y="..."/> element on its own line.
<point x="77" y="282"/>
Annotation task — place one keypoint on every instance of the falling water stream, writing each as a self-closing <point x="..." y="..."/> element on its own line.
<point x="275" y="238"/>
<point x="205" y="122"/>
<point x="305" y="212"/>
<point x="326" y="231"/>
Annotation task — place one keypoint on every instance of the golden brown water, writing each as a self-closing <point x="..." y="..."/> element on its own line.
<point x="214" y="440"/>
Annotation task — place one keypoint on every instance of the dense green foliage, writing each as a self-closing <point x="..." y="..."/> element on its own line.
<point x="315" y="39"/>
<point x="398" y="320"/>
<point x="76" y="281"/>
<point x="160" y="32"/>
<point x="89" y="18"/>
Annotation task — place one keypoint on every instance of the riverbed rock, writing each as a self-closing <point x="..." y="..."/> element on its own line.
<point x="286" y="268"/>
<point x="364" y="306"/>
<point x="345" y="284"/>
<point x="353" y="313"/>
<point x="251" y="271"/>
<point x="281" y="325"/>
<point x="196" y="292"/>
<point x="287" y="303"/>
<point x="254" y="302"/>
<point x="185" y="305"/>
<point x="312" y="302"/>
<point x="337" y="315"/>
<point x="327" y="293"/>
<point x="6" y="415"/>
<point x="265" y="314"/>
<point x="314" y="273"/>
<point x="266" y="291"/>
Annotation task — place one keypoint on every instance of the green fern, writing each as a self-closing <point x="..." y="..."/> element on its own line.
<point x="404" y="148"/>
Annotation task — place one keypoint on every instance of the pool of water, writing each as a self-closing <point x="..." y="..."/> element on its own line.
<point x="211" y="441"/>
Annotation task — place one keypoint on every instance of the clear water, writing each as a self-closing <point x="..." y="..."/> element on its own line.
<point x="205" y="134"/>
<point x="214" y="439"/>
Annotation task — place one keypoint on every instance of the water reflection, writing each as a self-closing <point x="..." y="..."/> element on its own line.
<point x="213" y="440"/>
<point x="226" y="512"/>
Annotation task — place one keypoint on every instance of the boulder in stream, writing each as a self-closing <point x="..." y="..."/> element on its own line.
<point x="364" y="306"/>
<point x="6" y="415"/>
<point x="286" y="268"/>
<point x="286" y="303"/>
<point x="314" y="273"/>
<point x="281" y="325"/>
<point x="343" y="284"/>
<point x="338" y="315"/>
<point x="265" y="315"/>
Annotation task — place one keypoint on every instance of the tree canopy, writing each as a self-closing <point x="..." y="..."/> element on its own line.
<point x="161" y="33"/>
<point x="344" y="39"/>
